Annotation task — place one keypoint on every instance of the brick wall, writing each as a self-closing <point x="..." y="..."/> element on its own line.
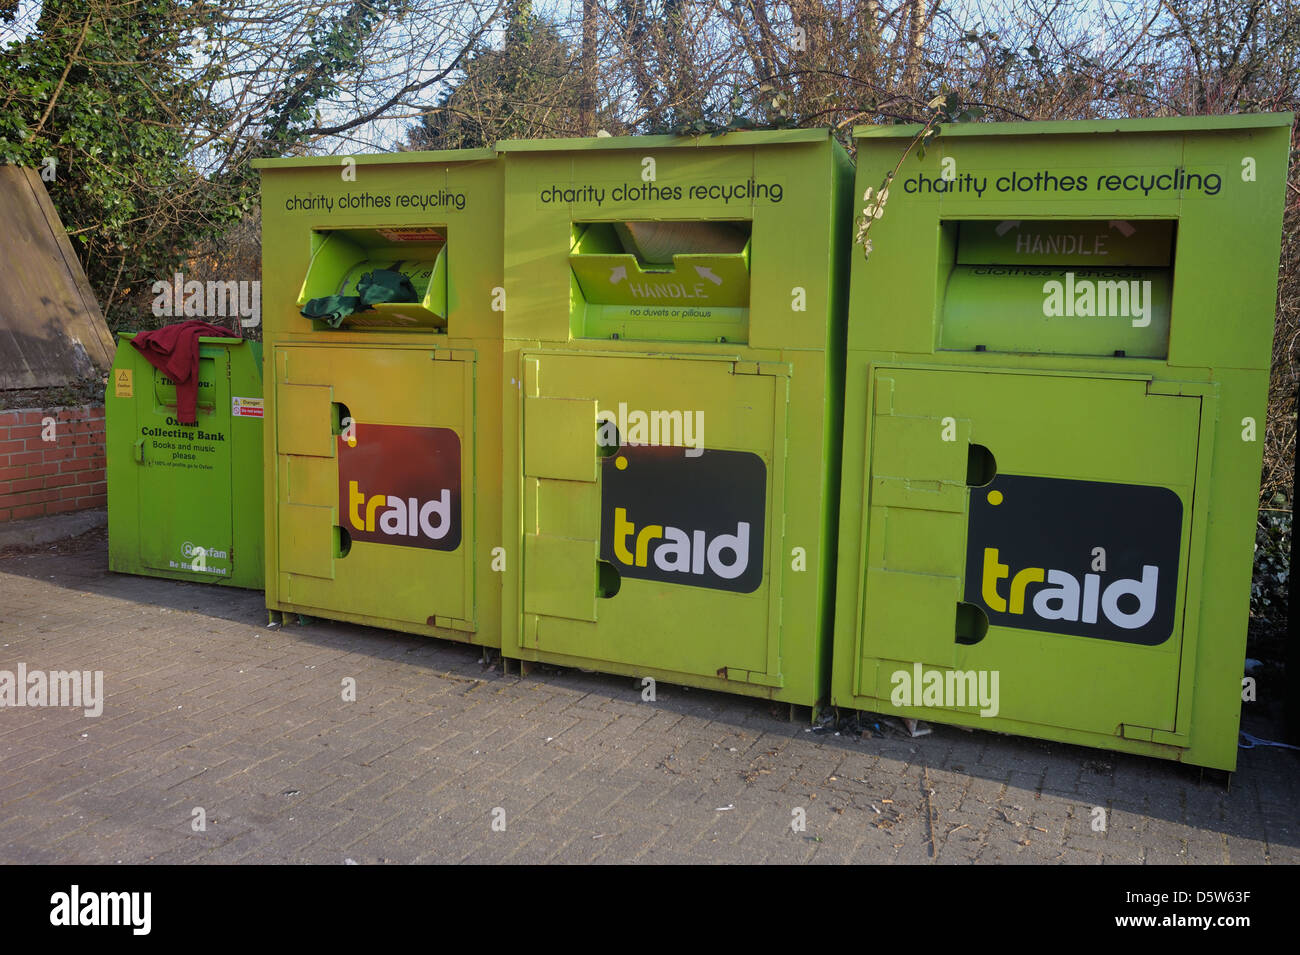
<point x="40" y="476"/>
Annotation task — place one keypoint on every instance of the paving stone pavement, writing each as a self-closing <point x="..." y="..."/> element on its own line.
<point x="207" y="709"/>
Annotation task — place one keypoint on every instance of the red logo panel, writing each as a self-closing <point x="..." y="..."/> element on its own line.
<point x="401" y="485"/>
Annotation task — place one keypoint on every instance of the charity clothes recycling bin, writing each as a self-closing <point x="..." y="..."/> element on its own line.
<point x="1057" y="371"/>
<point x="673" y="363"/>
<point x="185" y="501"/>
<point x="382" y="307"/>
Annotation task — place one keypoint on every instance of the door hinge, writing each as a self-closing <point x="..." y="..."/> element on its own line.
<point x="776" y="369"/>
<point x="1129" y="731"/>
<point x="737" y="675"/>
<point x="1147" y="734"/>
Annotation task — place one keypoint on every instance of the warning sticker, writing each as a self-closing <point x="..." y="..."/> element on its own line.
<point x="413" y="234"/>
<point x="123" y="385"/>
<point x="246" y="407"/>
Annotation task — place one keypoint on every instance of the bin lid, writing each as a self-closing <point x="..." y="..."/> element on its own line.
<point x="1086" y="127"/>
<point x="747" y="137"/>
<point x="414" y="157"/>
<point x="203" y="339"/>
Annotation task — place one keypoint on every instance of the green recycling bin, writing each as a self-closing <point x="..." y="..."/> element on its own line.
<point x="382" y="303"/>
<point x="1057" y="372"/>
<point x="185" y="501"/>
<point x="673" y="360"/>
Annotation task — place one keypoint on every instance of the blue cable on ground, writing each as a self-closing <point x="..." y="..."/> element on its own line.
<point x="1247" y="741"/>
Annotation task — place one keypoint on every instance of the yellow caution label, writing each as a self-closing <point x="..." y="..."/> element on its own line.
<point x="123" y="385"/>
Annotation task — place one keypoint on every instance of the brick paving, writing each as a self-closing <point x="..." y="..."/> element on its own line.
<point x="208" y="709"/>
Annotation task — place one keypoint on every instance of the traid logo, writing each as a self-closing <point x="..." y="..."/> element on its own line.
<point x="401" y="485"/>
<point x="678" y="519"/>
<point x="1075" y="557"/>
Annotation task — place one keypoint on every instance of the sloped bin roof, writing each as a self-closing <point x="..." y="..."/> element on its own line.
<point x="51" y="329"/>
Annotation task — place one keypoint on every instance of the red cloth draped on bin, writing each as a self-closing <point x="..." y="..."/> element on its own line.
<point x="174" y="350"/>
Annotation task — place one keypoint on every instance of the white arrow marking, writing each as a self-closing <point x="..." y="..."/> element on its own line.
<point x="1006" y="226"/>
<point x="617" y="274"/>
<point x="707" y="274"/>
<point x="1122" y="227"/>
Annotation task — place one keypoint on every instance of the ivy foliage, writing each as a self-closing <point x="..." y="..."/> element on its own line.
<point x="117" y="103"/>
<point x="99" y="99"/>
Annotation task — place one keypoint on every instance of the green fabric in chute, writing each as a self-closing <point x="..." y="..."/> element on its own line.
<point x="331" y="309"/>
<point x="381" y="285"/>
<point x="385" y="285"/>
